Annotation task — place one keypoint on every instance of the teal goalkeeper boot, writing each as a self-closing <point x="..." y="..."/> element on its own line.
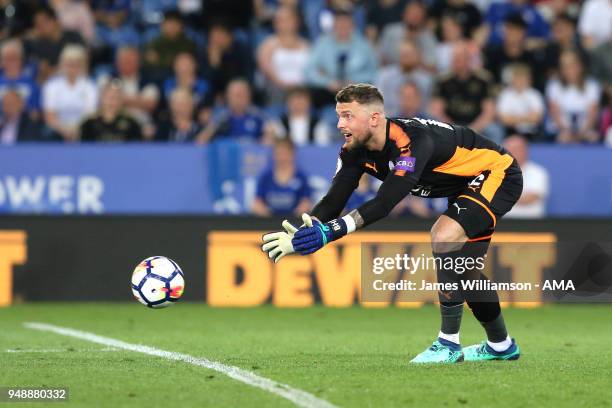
<point x="484" y="352"/>
<point x="441" y="351"/>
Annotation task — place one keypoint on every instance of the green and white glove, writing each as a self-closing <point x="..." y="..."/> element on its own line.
<point x="278" y="244"/>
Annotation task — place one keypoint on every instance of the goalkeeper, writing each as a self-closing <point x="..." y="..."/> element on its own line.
<point x="431" y="159"/>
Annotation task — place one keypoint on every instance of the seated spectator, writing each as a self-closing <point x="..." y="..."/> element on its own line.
<point x="140" y="96"/>
<point x="452" y="34"/>
<point x="512" y="50"/>
<point x="15" y="123"/>
<point x="320" y="15"/>
<point x="595" y="23"/>
<point x="161" y="52"/>
<point x="573" y="102"/>
<point x="520" y="107"/>
<point x="408" y="69"/>
<point x="240" y="120"/>
<point x="410" y="104"/>
<point x="414" y="27"/>
<point x="382" y="13"/>
<point x="532" y="203"/>
<point x="111" y="123"/>
<point x="150" y="13"/>
<point x="283" y="56"/>
<point x="75" y="16"/>
<point x="47" y="41"/>
<point x="465" y="97"/>
<point x="107" y="9"/>
<point x="185" y="76"/>
<point x="182" y="125"/>
<point x="224" y="58"/>
<point x="339" y="58"/>
<point x="13" y="75"/>
<point x="69" y="96"/>
<point x="537" y="27"/>
<point x="464" y="12"/>
<point x="299" y="123"/>
<point x="564" y="38"/>
<point x="115" y="31"/>
<point x="284" y="189"/>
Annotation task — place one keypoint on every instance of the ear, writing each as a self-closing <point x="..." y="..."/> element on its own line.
<point x="375" y="119"/>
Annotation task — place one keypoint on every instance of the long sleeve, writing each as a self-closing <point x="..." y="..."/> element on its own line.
<point x="344" y="183"/>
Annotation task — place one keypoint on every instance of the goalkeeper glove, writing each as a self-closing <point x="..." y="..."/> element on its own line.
<point x="278" y="244"/>
<point x="310" y="239"/>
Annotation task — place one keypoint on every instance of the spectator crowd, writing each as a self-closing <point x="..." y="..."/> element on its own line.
<point x="261" y="70"/>
<point x="266" y="71"/>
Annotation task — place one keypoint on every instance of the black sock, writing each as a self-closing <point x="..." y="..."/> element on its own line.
<point x="496" y="329"/>
<point x="451" y="301"/>
<point x="484" y="303"/>
<point x="451" y="318"/>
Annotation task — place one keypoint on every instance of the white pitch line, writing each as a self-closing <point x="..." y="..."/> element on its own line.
<point x="60" y="350"/>
<point x="298" y="397"/>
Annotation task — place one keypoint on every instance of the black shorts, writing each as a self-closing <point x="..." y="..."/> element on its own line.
<point x="485" y="199"/>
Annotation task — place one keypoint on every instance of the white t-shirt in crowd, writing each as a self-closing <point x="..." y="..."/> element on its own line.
<point x="573" y="101"/>
<point x="513" y="102"/>
<point x="535" y="180"/>
<point x="596" y="20"/>
<point x="71" y="103"/>
<point x="290" y="64"/>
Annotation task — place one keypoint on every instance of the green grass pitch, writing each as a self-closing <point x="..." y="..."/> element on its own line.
<point x="353" y="357"/>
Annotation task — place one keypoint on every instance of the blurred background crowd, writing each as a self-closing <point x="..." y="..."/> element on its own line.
<point x="261" y="70"/>
<point x="266" y="71"/>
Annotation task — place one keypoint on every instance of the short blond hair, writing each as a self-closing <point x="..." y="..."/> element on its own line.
<point x="12" y="44"/>
<point x="72" y="52"/>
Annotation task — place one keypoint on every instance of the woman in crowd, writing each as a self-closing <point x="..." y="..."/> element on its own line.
<point x="573" y="102"/>
<point x="282" y="57"/>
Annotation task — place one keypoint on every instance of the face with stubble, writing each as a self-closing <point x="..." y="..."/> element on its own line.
<point x="354" y="124"/>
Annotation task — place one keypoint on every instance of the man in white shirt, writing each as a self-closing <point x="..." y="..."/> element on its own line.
<point x="532" y="203"/>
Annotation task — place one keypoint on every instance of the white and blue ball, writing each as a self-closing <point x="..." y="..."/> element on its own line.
<point x="158" y="282"/>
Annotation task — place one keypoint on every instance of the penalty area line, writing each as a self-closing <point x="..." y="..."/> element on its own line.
<point x="298" y="397"/>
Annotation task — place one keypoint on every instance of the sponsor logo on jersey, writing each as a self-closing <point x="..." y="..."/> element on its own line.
<point x="405" y="163"/>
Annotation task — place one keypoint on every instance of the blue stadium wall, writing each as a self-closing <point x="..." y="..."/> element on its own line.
<point x="219" y="178"/>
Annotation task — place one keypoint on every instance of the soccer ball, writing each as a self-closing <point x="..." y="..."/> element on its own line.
<point x="158" y="282"/>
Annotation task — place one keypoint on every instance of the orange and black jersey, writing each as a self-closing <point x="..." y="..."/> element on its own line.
<point x="420" y="157"/>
